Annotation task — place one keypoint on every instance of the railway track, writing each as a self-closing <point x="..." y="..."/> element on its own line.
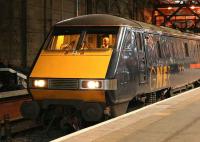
<point x="11" y="121"/>
<point x="16" y="129"/>
<point x="34" y="133"/>
<point x="9" y="128"/>
<point x="10" y="106"/>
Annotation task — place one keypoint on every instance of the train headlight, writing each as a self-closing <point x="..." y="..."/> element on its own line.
<point x="91" y="84"/>
<point x="104" y="84"/>
<point x="39" y="83"/>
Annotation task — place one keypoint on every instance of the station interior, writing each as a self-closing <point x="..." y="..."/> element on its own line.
<point x="25" y="25"/>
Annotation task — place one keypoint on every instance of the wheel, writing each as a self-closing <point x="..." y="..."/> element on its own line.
<point x="66" y="126"/>
<point x="46" y="118"/>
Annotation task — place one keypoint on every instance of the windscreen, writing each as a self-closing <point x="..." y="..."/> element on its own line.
<point x="82" y="38"/>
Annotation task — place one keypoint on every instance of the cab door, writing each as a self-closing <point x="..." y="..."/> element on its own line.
<point x="142" y="61"/>
<point x="127" y="70"/>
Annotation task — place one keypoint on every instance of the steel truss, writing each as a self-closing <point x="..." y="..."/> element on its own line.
<point x="178" y="14"/>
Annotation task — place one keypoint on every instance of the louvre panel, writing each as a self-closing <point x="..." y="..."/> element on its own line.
<point x="63" y="84"/>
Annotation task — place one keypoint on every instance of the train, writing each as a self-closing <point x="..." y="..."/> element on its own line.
<point x="73" y="78"/>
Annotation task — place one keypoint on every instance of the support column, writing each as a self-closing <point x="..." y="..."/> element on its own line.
<point x="45" y="18"/>
<point x="23" y="33"/>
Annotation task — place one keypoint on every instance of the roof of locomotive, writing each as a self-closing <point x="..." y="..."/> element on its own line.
<point x="98" y="20"/>
<point x="110" y="20"/>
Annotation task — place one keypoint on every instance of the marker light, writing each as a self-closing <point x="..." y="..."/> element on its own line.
<point x="39" y="83"/>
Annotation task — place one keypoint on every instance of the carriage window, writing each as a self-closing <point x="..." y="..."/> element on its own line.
<point x="173" y="53"/>
<point x="198" y="51"/>
<point x="186" y="50"/>
<point x="139" y="42"/>
<point x="158" y="49"/>
<point x="82" y="38"/>
<point x="128" y="40"/>
<point x="167" y="48"/>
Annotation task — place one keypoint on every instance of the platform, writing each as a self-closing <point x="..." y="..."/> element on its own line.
<point x="15" y="93"/>
<point x="176" y="119"/>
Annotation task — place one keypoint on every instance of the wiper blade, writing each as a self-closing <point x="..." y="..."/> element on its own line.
<point x="81" y="40"/>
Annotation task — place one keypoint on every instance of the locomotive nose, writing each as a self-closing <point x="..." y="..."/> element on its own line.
<point x="92" y="112"/>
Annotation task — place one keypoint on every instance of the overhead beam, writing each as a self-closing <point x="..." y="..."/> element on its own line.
<point x="175" y="5"/>
<point x="169" y="17"/>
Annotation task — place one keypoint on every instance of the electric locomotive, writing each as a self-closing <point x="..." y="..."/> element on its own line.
<point x="73" y="76"/>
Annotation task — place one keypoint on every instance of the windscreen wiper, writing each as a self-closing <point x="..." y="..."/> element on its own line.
<point x="81" y="40"/>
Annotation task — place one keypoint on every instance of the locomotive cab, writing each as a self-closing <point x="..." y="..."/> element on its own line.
<point x="72" y="71"/>
<point x="86" y="70"/>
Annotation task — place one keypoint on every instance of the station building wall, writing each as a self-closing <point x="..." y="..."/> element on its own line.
<point x="25" y="24"/>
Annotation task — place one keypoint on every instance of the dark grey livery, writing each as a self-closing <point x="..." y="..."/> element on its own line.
<point x="148" y="63"/>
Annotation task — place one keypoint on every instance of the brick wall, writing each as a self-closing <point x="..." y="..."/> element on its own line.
<point x="39" y="17"/>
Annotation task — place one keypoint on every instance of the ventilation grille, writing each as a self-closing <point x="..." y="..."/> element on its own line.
<point x="63" y="84"/>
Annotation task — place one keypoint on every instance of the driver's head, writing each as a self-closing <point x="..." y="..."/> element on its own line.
<point x="106" y="42"/>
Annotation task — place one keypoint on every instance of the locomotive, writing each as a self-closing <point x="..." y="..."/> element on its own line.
<point x="73" y="77"/>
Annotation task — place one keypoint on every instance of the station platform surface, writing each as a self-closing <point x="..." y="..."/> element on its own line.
<point x="176" y="119"/>
<point x="15" y="93"/>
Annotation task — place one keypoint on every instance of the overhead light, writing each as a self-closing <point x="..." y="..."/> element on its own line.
<point x="169" y="8"/>
<point x="192" y="7"/>
<point x="177" y="1"/>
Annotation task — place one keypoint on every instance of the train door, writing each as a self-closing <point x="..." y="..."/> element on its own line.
<point x="142" y="63"/>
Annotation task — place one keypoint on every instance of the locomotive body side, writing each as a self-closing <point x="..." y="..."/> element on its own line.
<point x="153" y="64"/>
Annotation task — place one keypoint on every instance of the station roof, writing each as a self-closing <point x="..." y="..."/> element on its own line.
<point x="175" y="1"/>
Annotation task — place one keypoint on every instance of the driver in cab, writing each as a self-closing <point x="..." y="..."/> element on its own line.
<point x="106" y="43"/>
